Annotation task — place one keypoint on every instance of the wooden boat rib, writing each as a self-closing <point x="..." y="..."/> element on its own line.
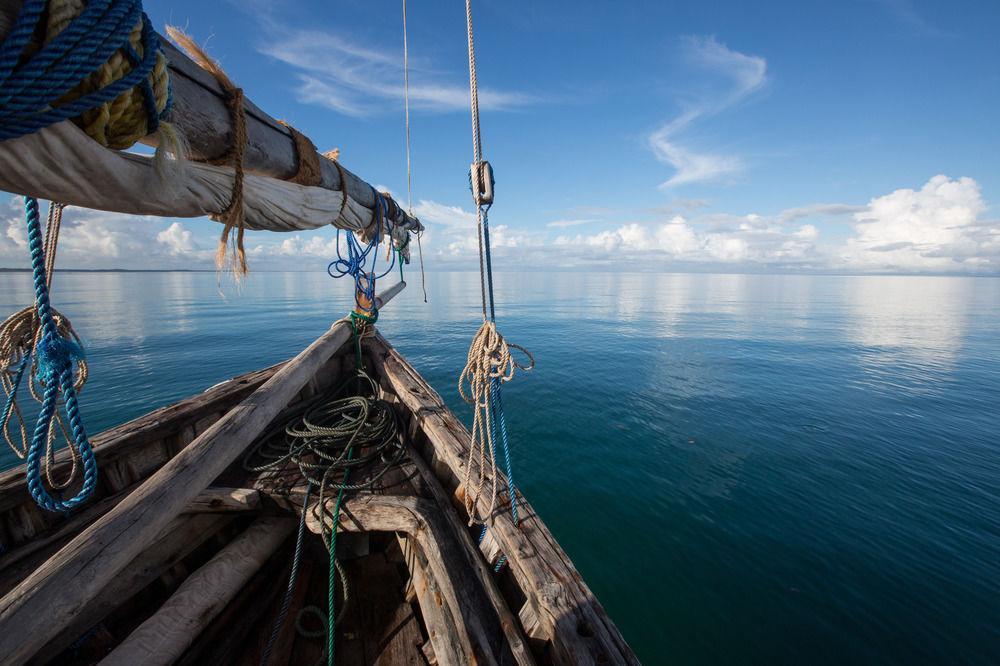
<point x="424" y="590"/>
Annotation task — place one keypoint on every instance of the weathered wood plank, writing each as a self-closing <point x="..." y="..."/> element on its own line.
<point x="46" y="601"/>
<point x="176" y="542"/>
<point x="170" y="421"/>
<point x="477" y="632"/>
<point x="570" y="618"/>
<point x="165" y="636"/>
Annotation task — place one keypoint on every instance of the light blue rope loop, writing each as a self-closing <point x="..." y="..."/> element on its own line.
<point x="57" y="357"/>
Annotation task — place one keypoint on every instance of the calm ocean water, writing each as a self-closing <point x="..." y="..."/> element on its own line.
<point x="746" y="469"/>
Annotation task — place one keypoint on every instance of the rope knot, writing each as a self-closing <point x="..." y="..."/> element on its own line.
<point x="56" y="354"/>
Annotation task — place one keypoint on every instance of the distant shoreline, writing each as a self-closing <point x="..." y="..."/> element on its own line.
<point x="553" y="270"/>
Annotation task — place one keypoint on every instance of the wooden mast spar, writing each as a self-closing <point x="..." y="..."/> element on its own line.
<point x="60" y="154"/>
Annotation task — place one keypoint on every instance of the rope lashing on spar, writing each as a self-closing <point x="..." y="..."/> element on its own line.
<point x="490" y="363"/>
<point x="330" y="443"/>
<point x="230" y="251"/>
<point x="98" y="63"/>
<point x="57" y="356"/>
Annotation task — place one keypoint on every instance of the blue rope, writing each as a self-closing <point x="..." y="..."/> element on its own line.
<point x="57" y="357"/>
<point x="496" y="405"/>
<point x="29" y="91"/>
<point x="355" y="264"/>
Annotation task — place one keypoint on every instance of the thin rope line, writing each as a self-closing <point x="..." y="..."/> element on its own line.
<point x="409" y="169"/>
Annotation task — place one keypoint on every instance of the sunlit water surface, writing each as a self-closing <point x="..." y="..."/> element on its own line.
<point x="746" y="469"/>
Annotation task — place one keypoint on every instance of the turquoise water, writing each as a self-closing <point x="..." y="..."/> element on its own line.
<point x="746" y="469"/>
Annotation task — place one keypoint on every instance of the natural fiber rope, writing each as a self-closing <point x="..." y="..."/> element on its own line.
<point x="232" y="217"/>
<point x="489" y="362"/>
<point x="307" y="159"/>
<point x="98" y="63"/>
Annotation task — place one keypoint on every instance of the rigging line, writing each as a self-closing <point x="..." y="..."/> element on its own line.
<point x="477" y="147"/>
<point x="409" y="169"/>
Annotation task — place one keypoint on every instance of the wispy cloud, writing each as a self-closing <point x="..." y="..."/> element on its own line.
<point x="905" y="13"/>
<point x="562" y="224"/>
<point x="744" y="74"/>
<point x="340" y="74"/>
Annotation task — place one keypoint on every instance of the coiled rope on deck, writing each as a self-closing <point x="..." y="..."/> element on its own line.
<point x="331" y="442"/>
<point x="489" y="363"/>
<point x="99" y="63"/>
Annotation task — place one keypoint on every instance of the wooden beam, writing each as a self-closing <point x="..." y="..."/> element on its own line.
<point x="47" y="600"/>
<point x="475" y="633"/>
<point x="177" y="541"/>
<point x="164" y="637"/>
<point x="210" y="500"/>
<point x="200" y="112"/>
<point x="570" y="618"/>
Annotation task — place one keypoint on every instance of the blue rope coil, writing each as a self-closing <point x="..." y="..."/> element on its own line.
<point x="57" y="357"/>
<point x="355" y="264"/>
<point x="29" y="91"/>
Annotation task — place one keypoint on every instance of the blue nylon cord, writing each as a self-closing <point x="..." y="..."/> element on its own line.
<point x="56" y="360"/>
<point x="29" y="91"/>
<point x="355" y="263"/>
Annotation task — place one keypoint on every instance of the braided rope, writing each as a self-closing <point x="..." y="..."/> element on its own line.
<point x="327" y="442"/>
<point x="56" y="356"/>
<point x="489" y="362"/>
<point x="19" y="334"/>
<point x="99" y="64"/>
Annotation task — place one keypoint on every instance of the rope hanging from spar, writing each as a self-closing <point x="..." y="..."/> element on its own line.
<point x="19" y="334"/>
<point x="51" y="349"/>
<point x="490" y="362"/>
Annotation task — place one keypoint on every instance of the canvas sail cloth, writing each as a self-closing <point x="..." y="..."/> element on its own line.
<point x="63" y="164"/>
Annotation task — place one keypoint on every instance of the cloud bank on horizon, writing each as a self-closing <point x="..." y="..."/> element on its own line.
<point x="625" y="146"/>
<point x="940" y="227"/>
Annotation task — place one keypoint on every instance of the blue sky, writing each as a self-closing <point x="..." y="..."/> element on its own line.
<point x="854" y="136"/>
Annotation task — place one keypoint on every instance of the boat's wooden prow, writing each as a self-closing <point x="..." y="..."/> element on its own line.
<point x="208" y="587"/>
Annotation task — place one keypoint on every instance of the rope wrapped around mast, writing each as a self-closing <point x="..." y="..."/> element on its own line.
<point x="99" y="63"/>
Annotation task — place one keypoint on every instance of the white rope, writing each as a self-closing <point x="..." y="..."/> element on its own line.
<point x="409" y="169"/>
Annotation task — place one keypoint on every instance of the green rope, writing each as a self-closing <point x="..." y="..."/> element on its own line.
<point x="331" y="601"/>
<point x="356" y="329"/>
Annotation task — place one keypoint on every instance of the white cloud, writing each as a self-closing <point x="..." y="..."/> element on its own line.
<point x="939" y="227"/>
<point x="744" y="74"/>
<point x="562" y="224"/>
<point x="453" y="217"/>
<point x="935" y="228"/>
<point x="178" y="240"/>
<point x="357" y="80"/>
<point x="680" y="240"/>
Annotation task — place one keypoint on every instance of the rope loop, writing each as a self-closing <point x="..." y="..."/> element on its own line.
<point x="99" y="63"/>
<point x="57" y="357"/>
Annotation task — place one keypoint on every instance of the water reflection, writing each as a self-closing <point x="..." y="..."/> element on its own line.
<point x="908" y="319"/>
